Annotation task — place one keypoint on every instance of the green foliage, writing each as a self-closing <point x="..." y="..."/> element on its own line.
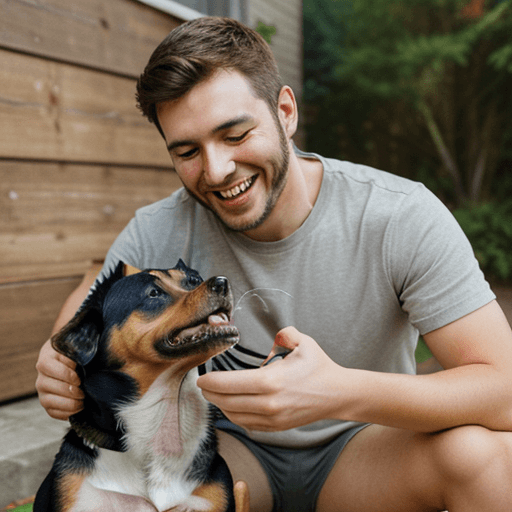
<point x="502" y="58"/>
<point x="24" y="508"/>
<point x="392" y="45"/>
<point x="408" y="84"/>
<point x="422" y="351"/>
<point x="266" y="31"/>
<point x="489" y="229"/>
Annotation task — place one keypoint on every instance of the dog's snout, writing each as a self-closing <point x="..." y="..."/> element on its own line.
<point x="219" y="285"/>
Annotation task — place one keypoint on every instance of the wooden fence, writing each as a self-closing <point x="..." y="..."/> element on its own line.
<point x="76" y="157"/>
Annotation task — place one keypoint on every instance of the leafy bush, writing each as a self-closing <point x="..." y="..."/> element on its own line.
<point x="401" y="83"/>
<point x="422" y="351"/>
<point x="489" y="229"/>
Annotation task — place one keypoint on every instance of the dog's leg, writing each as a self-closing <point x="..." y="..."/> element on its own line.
<point x="216" y="500"/>
<point x="215" y="494"/>
<point x="91" y="499"/>
<point x="68" y="488"/>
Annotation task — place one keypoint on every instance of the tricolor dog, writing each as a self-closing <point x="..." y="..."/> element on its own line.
<point x="144" y="440"/>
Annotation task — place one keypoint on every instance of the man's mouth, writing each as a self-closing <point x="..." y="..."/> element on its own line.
<point x="237" y="189"/>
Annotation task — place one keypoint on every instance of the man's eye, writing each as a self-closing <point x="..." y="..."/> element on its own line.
<point x="239" y="138"/>
<point x="187" y="154"/>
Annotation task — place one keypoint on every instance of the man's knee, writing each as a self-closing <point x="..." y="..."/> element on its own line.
<point x="465" y="454"/>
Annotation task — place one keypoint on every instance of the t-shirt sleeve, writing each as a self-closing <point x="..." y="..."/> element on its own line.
<point x="126" y="248"/>
<point x="432" y="264"/>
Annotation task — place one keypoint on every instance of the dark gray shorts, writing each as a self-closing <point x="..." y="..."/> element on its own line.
<point x="295" y="476"/>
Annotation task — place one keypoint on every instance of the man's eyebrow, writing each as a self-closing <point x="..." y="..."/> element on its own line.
<point x="241" y="119"/>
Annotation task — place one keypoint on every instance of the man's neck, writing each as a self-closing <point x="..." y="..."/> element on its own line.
<point x="295" y="203"/>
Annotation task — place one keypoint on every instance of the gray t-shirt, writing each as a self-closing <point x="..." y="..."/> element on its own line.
<point x="379" y="260"/>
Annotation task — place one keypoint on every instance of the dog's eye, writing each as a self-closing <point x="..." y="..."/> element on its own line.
<point x="194" y="281"/>
<point x="154" y="292"/>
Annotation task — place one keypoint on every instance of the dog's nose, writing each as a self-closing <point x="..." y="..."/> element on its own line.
<point x="219" y="285"/>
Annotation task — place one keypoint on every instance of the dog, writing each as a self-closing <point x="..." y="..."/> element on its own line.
<point x="144" y="440"/>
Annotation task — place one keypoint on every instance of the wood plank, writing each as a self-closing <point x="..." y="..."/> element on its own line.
<point x="55" y="111"/>
<point x="27" y="314"/>
<point x="113" y="35"/>
<point x="56" y="218"/>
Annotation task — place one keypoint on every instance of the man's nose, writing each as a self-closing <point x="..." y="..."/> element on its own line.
<point x="218" y="164"/>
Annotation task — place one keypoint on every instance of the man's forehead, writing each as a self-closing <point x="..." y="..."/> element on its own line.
<point x="223" y="99"/>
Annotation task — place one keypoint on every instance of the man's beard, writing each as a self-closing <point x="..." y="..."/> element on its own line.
<point x="279" y="164"/>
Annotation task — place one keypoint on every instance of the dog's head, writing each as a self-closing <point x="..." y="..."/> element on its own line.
<point x="133" y="327"/>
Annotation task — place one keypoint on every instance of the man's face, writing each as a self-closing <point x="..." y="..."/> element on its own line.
<point x="230" y="152"/>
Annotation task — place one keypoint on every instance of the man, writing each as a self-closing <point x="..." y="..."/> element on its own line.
<point x="370" y="259"/>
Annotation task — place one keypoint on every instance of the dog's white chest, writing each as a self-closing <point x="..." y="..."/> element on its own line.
<point x="163" y="437"/>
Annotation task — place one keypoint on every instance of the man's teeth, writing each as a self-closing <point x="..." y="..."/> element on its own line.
<point x="235" y="191"/>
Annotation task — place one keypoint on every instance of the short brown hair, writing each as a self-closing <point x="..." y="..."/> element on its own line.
<point x="192" y="52"/>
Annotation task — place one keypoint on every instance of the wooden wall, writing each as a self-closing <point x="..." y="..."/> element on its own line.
<point x="76" y="157"/>
<point x="286" y="18"/>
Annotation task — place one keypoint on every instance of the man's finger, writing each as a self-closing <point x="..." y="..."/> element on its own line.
<point x="66" y="360"/>
<point x="287" y="338"/>
<point x="241" y="382"/>
<point x="61" y="388"/>
<point x="59" y="370"/>
<point x="61" y="408"/>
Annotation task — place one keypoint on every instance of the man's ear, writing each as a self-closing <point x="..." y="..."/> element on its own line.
<point x="79" y="338"/>
<point x="287" y="111"/>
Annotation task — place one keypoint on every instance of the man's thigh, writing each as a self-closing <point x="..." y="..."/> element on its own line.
<point x="245" y="466"/>
<point x="383" y="469"/>
<point x="386" y="469"/>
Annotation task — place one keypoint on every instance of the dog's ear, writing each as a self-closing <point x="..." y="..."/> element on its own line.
<point x="181" y="266"/>
<point x="79" y="338"/>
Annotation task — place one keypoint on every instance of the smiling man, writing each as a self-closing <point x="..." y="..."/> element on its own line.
<point x="371" y="260"/>
<point x="230" y="152"/>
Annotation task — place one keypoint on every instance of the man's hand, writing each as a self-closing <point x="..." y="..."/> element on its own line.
<point x="57" y="381"/>
<point x="287" y="393"/>
<point x="57" y="384"/>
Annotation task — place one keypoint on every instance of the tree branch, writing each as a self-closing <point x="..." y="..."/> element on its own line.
<point x="442" y="150"/>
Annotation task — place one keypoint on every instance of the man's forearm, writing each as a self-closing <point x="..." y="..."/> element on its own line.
<point x="472" y="394"/>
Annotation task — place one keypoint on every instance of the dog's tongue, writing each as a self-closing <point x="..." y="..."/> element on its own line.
<point x="220" y="319"/>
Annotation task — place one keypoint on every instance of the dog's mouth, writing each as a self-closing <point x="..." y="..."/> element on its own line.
<point x="216" y="325"/>
<point x="214" y="331"/>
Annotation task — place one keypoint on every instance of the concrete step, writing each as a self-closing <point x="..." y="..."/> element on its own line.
<point x="29" y="440"/>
